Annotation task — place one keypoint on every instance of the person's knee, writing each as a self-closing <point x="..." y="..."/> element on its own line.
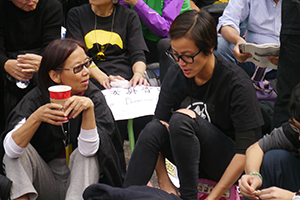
<point x="29" y="156"/>
<point x="187" y="112"/>
<point x="180" y="119"/>
<point x="276" y="157"/>
<point x="152" y="133"/>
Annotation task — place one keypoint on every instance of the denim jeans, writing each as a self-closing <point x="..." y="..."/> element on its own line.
<point x="195" y="146"/>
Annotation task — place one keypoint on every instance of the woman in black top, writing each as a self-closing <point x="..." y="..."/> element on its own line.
<point x="113" y="37"/>
<point x="206" y="117"/>
<point x="37" y="143"/>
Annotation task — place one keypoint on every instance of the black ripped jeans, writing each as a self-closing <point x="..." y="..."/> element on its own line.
<point x="195" y="146"/>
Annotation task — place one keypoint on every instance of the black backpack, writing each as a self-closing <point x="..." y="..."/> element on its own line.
<point x="151" y="76"/>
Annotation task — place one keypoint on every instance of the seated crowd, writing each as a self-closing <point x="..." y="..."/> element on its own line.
<point x="208" y="121"/>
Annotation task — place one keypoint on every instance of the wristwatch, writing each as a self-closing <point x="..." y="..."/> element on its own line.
<point x="296" y="196"/>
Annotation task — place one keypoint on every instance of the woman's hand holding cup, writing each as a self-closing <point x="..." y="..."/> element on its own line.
<point x="77" y="104"/>
<point x="51" y="113"/>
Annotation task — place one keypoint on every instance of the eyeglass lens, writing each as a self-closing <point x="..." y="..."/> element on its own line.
<point x="186" y="58"/>
<point x="79" y="68"/>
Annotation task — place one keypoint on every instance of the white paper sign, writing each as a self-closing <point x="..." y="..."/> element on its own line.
<point x="133" y="102"/>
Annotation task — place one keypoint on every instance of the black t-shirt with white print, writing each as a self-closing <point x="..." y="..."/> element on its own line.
<point x="228" y="100"/>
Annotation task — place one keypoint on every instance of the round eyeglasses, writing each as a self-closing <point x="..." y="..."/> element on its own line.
<point x="79" y="68"/>
<point x="189" y="59"/>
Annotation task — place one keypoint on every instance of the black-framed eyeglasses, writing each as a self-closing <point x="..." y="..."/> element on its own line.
<point x="189" y="59"/>
<point x="79" y="68"/>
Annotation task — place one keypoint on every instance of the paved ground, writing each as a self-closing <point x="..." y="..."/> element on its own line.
<point x="127" y="157"/>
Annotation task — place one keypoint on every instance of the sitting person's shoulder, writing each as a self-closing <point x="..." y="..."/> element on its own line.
<point x="126" y="11"/>
<point x="175" y="72"/>
<point x="94" y="92"/>
<point x="230" y="68"/>
<point x="49" y="5"/>
<point x="231" y="75"/>
<point x="30" y="102"/>
<point x="3" y="4"/>
<point x="81" y="9"/>
<point x="175" y="78"/>
<point x="37" y="95"/>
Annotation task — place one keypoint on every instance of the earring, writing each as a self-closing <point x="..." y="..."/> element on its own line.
<point x="115" y="1"/>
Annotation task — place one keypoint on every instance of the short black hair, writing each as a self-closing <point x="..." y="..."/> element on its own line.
<point x="197" y="26"/>
<point x="294" y="105"/>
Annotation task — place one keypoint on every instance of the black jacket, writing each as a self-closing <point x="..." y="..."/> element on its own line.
<point x="48" y="139"/>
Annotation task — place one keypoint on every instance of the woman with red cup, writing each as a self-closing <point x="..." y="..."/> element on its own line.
<point x="37" y="143"/>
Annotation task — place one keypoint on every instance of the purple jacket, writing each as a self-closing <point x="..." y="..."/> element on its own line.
<point x="158" y="25"/>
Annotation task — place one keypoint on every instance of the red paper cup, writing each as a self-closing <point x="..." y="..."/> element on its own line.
<point x="60" y="94"/>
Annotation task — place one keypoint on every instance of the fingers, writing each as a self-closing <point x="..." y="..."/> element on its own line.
<point x="55" y="119"/>
<point x="273" y="59"/>
<point x="106" y="84"/>
<point x="256" y="183"/>
<point x="118" y="77"/>
<point x="30" y="58"/>
<point x="13" y="69"/>
<point x="51" y="113"/>
<point x="77" y="109"/>
<point x="22" y="77"/>
<point x="245" y="188"/>
<point x="241" y="57"/>
<point x="145" y="82"/>
<point x="275" y="193"/>
<point x="135" y="79"/>
<point x="266" y="194"/>
<point x="25" y="69"/>
<point x="29" y="63"/>
<point x="69" y="106"/>
<point x="138" y="79"/>
<point x="28" y="68"/>
<point x="75" y="105"/>
<point x="114" y="78"/>
<point x="248" y="184"/>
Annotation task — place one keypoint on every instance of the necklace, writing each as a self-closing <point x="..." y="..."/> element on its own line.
<point x="100" y="54"/>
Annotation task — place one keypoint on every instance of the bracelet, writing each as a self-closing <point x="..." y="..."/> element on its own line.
<point x="143" y="75"/>
<point x="258" y="174"/>
<point x="92" y="66"/>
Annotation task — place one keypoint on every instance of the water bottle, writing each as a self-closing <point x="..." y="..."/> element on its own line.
<point x="22" y="84"/>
